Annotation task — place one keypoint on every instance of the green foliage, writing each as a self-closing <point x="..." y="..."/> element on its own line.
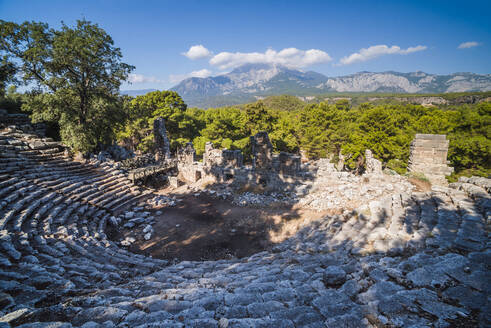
<point x="323" y="129"/>
<point x="397" y="165"/>
<point x="470" y="152"/>
<point x="343" y="104"/>
<point x="385" y="130"/>
<point x="284" y="136"/>
<point x="11" y="100"/>
<point x="182" y="124"/>
<point x="223" y="123"/>
<point x="283" y="103"/>
<point x="258" y="118"/>
<point x="77" y="71"/>
<point x="7" y="74"/>
<point x="418" y="176"/>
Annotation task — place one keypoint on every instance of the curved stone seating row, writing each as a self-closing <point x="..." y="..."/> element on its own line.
<point x="110" y="185"/>
<point x="405" y="260"/>
<point x="408" y="260"/>
<point x="53" y="216"/>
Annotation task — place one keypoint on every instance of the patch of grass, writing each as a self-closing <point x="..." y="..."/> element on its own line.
<point x="418" y="176"/>
<point x="419" y="180"/>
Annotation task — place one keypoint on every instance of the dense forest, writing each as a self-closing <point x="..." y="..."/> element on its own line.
<point x="75" y="74"/>
<point x="320" y="130"/>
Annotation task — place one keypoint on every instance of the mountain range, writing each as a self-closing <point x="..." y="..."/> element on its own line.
<point x="254" y="81"/>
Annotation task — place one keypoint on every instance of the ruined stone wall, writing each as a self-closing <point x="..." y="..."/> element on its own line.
<point x="226" y="166"/>
<point x="162" y="144"/>
<point x="262" y="151"/>
<point x="190" y="172"/>
<point x="372" y="165"/>
<point x="429" y="156"/>
<point x="186" y="155"/>
<point x="232" y="158"/>
<point x="217" y="157"/>
<point x="212" y="156"/>
<point x="288" y="164"/>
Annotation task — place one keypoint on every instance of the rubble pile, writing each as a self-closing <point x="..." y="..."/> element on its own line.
<point x="132" y="219"/>
<point x="137" y="162"/>
<point x="162" y="200"/>
<point x="331" y="189"/>
<point x="264" y="200"/>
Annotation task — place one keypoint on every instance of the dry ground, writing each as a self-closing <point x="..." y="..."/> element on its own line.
<point x="205" y="228"/>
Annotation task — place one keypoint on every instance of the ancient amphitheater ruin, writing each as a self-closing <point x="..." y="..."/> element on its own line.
<point x="387" y="255"/>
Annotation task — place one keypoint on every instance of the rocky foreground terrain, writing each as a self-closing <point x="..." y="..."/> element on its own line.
<point x="394" y="257"/>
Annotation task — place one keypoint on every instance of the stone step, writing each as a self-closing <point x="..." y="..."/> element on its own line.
<point x="118" y="204"/>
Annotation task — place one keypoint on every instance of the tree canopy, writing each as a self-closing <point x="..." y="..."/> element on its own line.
<point x="75" y="73"/>
<point x="324" y="129"/>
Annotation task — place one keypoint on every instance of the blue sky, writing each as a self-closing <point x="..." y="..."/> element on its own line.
<point x="330" y="37"/>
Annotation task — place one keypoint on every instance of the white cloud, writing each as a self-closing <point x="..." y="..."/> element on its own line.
<point x="140" y="78"/>
<point x="197" y="52"/>
<point x="201" y="73"/>
<point x="179" y="77"/>
<point x="469" y="44"/>
<point x="376" y="51"/>
<point x="290" y="57"/>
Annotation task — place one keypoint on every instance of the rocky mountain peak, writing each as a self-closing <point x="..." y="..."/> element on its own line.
<point x="250" y="81"/>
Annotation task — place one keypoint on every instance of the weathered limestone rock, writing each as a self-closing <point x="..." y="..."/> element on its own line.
<point x="340" y="165"/>
<point x="119" y="153"/>
<point x="303" y="156"/>
<point x="262" y="151"/>
<point x="429" y="156"/>
<point x="325" y="167"/>
<point x="334" y="276"/>
<point x="372" y="165"/>
<point x="162" y="144"/>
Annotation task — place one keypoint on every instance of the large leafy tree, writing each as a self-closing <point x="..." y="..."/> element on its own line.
<point x="75" y="74"/>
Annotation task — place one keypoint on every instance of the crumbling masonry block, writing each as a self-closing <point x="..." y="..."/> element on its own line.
<point x="289" y="164"/>
<point x="186" y="155"/>
<point x="223" y="158"/>
<point x="429" y="156"/>
<point x="162" y="144"/>
<point x="262" y="151"/>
